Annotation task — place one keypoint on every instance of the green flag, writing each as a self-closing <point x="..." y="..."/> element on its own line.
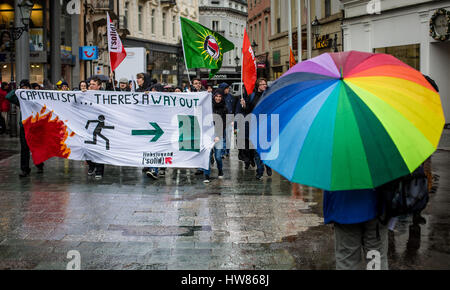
<point x="203" y="48"/>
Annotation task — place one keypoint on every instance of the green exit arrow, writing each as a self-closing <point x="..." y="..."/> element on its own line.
<point x="157" y="132"/>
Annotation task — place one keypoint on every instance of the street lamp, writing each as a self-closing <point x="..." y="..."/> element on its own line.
<point x="25" y="8"/>
<point x="236" y="60"/>
<point x="315" y="27"/>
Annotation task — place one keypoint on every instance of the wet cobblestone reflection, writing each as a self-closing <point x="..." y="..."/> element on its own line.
<point x="127" y="221"/>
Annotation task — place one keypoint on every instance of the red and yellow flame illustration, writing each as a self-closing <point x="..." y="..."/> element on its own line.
<point x="46" y="137"/>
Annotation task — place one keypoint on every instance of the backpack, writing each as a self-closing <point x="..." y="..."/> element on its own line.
<point x="403" y="196"/>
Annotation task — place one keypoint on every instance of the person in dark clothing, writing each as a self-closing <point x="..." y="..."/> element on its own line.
<point x="220" y="110"/>
<point x="95" y="168"/>
<point x="245" y="106"/>
<point x="230" y="103"/>
<point x="36" y="86"/>
<point x="357" y="229"/>
<point x="24" y="149"/>
<point x="146" y="84"/>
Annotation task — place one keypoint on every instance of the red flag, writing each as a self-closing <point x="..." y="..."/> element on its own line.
<point x="248" y="65"/>
<point x="291" y="59"/>
<point x="116" y="50"/>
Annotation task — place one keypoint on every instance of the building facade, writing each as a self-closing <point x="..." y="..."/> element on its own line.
<point x="404" y="30"/>
<point x="151" y="24"/>
<point x="155" y="25"/>
<point x="229" y="18"/>
<point x="328" y="37"/>
<point x="259" y="31"/>
<point x="53" y="43"/>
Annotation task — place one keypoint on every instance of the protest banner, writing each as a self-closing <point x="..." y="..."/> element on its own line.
<point x="119" y="128"/>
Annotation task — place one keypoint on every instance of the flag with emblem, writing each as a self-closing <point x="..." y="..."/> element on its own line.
<point x="203" y="48"/>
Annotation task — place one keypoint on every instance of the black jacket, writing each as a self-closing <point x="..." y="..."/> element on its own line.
<point x="221" y="110"/>
<point x="146" y="86"/>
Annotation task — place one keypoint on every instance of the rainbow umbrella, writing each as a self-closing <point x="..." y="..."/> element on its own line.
<point x="350" y="120"/>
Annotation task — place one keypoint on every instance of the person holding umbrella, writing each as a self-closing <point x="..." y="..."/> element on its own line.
<point x="359" y="236"/>
<point x="350" y="122"/>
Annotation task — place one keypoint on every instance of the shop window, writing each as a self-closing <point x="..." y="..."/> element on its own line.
<point x="36" y="31"/>
<point x="327" y="8"/>
<point x="409" y="54"/>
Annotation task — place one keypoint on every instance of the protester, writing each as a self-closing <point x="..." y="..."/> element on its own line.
<point x="24" y="149"/>
<point x="132" y="85"/>
<point x="83" y="86"/>
<point x="95" y="84"/>
<point x="245" y="107"/>
<point x="219" y="110"/>
<point x="47" y="85"/>
<point x="145" y="84"/>
<point x="178" y="90"/>
<point x="65" y="86"/>
<point x="197" y="85"/>
<point x="59" y="85"/>
<point x="4" y="108"/>
<point x="357" y="230"/>
<point x="123" y="85"/>
<point x="230" y="103"/>
<point x="36" y="86"/>
<point x="209" y="89"/>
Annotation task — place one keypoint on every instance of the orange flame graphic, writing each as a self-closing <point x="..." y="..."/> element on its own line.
<point x="46" y="138"/>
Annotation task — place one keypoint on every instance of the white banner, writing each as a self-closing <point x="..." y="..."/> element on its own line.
<point x="119" y="128"/>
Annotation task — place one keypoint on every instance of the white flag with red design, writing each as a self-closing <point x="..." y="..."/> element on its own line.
<point x="116" y="50"/>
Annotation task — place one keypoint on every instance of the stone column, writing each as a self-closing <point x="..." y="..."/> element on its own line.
<point x="55" y="41"/>
<point x="22" y="48"/>
<point x="75" y="49"/>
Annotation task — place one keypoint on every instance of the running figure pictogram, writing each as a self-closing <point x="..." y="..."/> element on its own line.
<point x="98" y="130"/>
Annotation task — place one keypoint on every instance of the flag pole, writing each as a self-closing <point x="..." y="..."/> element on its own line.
<point x="184" y="55"/>
<point x="242" y="65"/>
<point x="109" y="52"/>
<point x="110" y="67"/>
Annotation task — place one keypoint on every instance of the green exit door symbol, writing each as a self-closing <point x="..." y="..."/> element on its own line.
<point x="189" y="137"/>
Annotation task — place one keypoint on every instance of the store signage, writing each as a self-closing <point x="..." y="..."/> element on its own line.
<point x="88" y="52"/>
<point x="99" y="70"/>
<point x="323" y="41"/>
<point x="219" y="77"/>
<point x="276" y="57"/>
<point x="440" y="25"/>
<point x="261" y="65"/>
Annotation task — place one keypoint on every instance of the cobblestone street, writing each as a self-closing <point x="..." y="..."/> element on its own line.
<point x="128" y="221"/>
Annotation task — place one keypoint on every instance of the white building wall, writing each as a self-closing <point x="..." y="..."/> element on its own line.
<point x="225" y="18"/>
<point x="402" y="26"/>
<point x="184" y="8"/>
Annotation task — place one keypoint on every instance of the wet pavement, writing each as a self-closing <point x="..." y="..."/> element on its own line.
<point x="128" y="221"/>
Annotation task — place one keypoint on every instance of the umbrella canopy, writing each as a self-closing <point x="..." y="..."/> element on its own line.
<point x="351" y="120"/>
